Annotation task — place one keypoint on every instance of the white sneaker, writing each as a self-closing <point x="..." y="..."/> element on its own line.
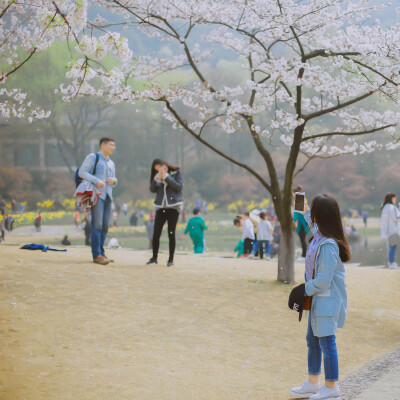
<point x="305" y="391"/>
<point x="252" y="256"/>
<point x="327" y="394"/>
<point x="393" y="266"/>
<point x="268" y="258"/>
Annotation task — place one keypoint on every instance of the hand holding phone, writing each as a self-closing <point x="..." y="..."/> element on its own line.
<point x="299" y="201"/>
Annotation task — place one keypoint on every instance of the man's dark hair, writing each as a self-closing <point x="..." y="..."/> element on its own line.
<point x="106" y="140"/>
<point x="246" y="213"/>
<point x="236" y="221"/>
<point x="298" y="188"/>
<point x="262" y="215"/>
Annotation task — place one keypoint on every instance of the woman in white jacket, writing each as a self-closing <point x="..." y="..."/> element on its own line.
<point x="390" y="226"/>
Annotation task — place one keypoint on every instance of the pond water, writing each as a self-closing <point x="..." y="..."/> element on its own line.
<point x="369" y="251"/>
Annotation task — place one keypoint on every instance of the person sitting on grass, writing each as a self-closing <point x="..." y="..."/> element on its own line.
<point x="196" y="227"/>
<point x="66" y="241"/>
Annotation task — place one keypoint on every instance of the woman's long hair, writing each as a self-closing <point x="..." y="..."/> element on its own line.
<point x="159" y="161"/>
<point x="388" y="199"/>
<point x="325" y="213"/>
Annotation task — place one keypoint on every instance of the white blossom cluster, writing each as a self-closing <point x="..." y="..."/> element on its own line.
<point x="305" y="65"/>
<point x="30" y="27"/>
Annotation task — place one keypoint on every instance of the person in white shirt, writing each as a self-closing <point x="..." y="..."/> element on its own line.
<point x="125" y="209"/>
<point x="248" y="233"/>
<point x="390" y="227"/>
<point x="264" y="237"/>
<point x="113" y="243"/>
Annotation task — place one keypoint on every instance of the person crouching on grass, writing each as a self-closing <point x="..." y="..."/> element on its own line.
<point x="325" y="283"/>
<point x="248" y="233"/>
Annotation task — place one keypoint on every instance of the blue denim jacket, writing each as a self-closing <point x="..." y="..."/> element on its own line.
<point x="105" y="169"/>
<point x="328" y="288"/>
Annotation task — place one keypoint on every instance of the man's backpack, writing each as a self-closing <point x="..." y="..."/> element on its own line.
<point x="78" y="179"/>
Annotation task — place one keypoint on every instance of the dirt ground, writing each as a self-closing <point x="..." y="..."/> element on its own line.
<point x="208" y="328"/>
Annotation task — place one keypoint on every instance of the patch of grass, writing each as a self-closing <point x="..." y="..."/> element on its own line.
<point x="260" y="281"/>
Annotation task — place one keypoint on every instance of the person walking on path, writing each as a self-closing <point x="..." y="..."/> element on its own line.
<point x="2" y="206"/>
<point x="2" y="229"/>
<point x="149" y="224"/>
<point x="390" y="216"/>
<point x="105" y="180"/>
<point x="325" y="283"/>
<point x="87" y="229"/>
<point x="38" y="222"/>
<point x="167" y="182"/>
<point x="77" y="219"/>
<point x="196" y="227"/>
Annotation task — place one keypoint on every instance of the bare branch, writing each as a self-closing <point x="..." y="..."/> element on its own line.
<point x="213" y="148"/>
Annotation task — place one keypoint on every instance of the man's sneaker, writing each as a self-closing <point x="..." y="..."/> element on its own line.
<point x="109" y="259"/>
<point x="252" y="256"/>
<point x="152" y="261"/>
<point x="305" y="391"/>
<point x="170" y="263"/>
<point x="327" y="394"/>
<point x="268" y="258"/>
<point x="101" y="260"/>
<point x="393" y="266"/>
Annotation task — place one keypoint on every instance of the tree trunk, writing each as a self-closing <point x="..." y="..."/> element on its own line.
<point x="286" y="255"/>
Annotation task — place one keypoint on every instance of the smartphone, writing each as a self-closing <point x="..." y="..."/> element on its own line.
<point x="299" y="201"/>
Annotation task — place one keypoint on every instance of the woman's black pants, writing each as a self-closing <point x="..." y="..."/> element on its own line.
<point x="302" y="236"/>
<point x="162" y="215"/>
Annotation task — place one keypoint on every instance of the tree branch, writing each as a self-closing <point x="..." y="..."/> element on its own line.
<point x="338" y="107"/>
<point x="211" y="147"/>
<point x="328" y="134"/>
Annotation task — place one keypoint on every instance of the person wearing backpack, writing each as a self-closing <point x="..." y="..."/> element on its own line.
<point x="102" y="175"/>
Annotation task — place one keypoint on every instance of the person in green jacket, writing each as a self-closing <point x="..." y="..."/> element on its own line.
<point x="196" y="227"/>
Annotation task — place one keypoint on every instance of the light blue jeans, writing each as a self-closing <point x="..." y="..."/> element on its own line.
<point x="327" y="346"/>
<point x="259" y="245"/>
<point x="101" y="214"/>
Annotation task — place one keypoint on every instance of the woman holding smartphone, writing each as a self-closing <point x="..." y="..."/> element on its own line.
<point x="325" y="283"/>
<point x="167" y="182"/>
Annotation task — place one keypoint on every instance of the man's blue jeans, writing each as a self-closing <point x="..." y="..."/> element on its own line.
<point x="328" y="346"/>
<point x="101" y="214"/>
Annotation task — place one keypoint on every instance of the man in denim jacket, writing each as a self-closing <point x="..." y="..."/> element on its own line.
<point x="104" y="178"/>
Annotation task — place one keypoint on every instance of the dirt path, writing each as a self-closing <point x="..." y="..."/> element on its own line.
<point x="204" y="329"/>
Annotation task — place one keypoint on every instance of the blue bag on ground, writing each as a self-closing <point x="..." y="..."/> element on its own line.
<point x="34" y="246"/>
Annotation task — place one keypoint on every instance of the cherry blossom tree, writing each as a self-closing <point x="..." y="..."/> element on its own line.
<point x="28" y="27"/>
<point x="317" y="74"/>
